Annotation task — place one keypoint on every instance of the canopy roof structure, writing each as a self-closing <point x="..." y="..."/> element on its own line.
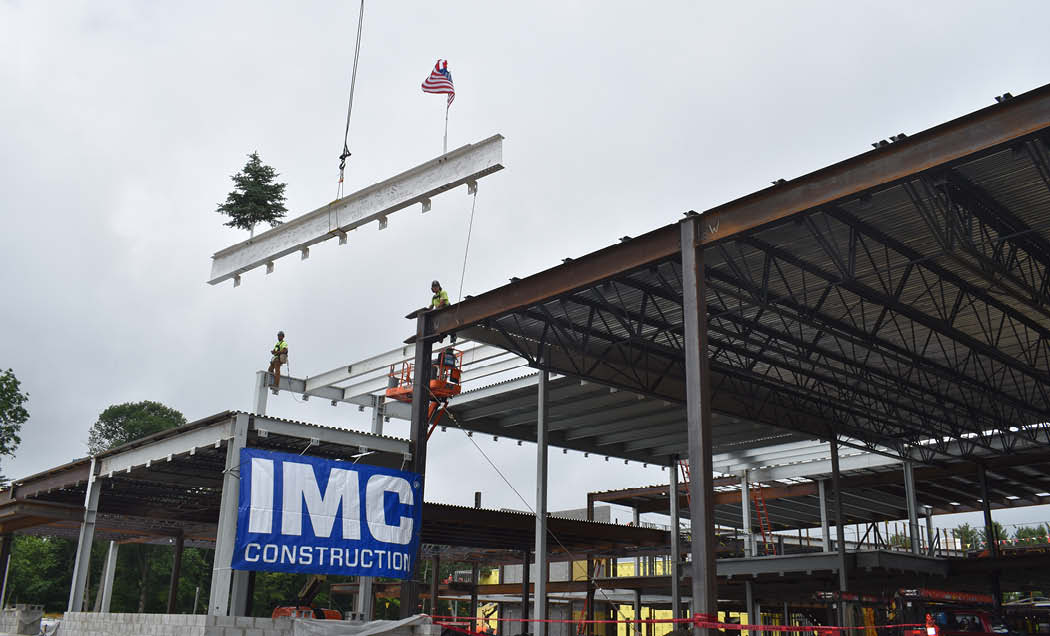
<point x="874" y="492"/>
<point x="897" y="300"/>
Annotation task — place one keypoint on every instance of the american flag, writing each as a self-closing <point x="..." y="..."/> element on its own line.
<point x="440" y="81"/>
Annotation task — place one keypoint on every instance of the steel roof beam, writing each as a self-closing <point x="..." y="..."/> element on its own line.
<point x="417" y="185"/>
<point x="841" y="331"/>
<point x="870" y="294"/>
<point x="978" y="132"/>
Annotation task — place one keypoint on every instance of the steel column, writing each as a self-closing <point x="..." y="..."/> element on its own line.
<point x="840" y="531"/>
<point x="474" y="576"/>
<point x="366" y="600"/>
<point x="262" y="390"/>
<point x="991" y="537"/>
<point x="676" y="551"/>
<point x="81" y="565"/>
<point x="419" y="425"/>
<point x="825" y="527"/>
<point x="6" y="542"/>
<point x="589" y="603"/>
<point x="176" y="570"/>
<point x="929" y="530"/>
<point x="542" y="408"/>
<point x="109" y="570"/>
<point x="913" y="507"/>
<point x="745" y="511"/>
<point x="698" y="420"/>
<point x="435" y="581"/>
<point x="222" y="573"/>
<point x="749" y="601"/>
<point x="524" y="590"/>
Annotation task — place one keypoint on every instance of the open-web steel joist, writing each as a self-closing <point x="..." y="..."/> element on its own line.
<point x="899" y="298"/>
<point x="464" y="165"/>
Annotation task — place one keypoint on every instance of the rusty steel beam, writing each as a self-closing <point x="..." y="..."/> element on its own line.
<point x="941" y="145"/>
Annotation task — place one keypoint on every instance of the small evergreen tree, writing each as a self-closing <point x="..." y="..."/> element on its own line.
<point x="256" y="197"/>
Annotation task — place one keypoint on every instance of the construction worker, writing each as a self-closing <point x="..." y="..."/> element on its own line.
<point x="279" y="356"/>
<point x="440" y="298"/>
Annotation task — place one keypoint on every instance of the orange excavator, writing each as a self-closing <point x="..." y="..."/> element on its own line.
<point x="445" y="374"/>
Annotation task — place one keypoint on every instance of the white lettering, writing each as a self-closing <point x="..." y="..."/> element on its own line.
<point x="320" y="554"/>
<point x="260" y="515"/>
<point x="363" y="564"/>
<point x="300" y="483"/>
<point x="287" y="554"/>
<point x="268" y="555"/>
<point x="247" y="550"/>
<point x="336" y="556"/>
<point x="306" y="555"/>
<point x="356" y="555"/>
<point x="375" y="494"/>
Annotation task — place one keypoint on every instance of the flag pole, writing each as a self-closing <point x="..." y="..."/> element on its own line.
<point x="445" y="145"/>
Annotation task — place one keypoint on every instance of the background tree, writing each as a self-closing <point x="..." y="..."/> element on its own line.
<point x="967" y="535"/>
<point x="12" y="414"/>
<point x="256" y="197"/>
<point x="123" y="423"/>
<point x="1031" y="534"/>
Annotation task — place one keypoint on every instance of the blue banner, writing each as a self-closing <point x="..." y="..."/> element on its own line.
<point x="320" y="516"/>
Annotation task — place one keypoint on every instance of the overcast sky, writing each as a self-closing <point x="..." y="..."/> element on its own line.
<point x="121" y="123"/>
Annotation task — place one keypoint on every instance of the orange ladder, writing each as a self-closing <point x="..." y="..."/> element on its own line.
<point x="759" y="499"/>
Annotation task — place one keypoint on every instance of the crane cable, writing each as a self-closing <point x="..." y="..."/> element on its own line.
<point x="353" y="81"/>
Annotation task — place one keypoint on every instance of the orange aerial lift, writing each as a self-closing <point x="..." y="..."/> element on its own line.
<point x="445" y="373"/>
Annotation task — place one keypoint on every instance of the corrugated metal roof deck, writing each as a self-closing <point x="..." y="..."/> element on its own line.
<point x="912" y="317"/>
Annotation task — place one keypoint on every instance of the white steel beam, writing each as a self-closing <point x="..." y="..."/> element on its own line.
<point x="473" y="353"/>
<point x="343" y="437"/>
<point x="159" y="450"/>
<point x="464" y="165"/>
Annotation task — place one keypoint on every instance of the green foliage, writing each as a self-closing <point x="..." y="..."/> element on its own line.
<point x="900" y="540"/>
<point x="997" y="527"/>
<point x="12" y="414"/>
<point x="256" y="197"/>
<point x="967" y="535"/>
<point x="1031" y="533"/>
<point x="41" y="570"/>
<point x="123" y="423"/>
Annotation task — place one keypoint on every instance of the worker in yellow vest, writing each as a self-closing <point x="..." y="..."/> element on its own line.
<point x="440" y="298"/>
<point x="279" y="356"/>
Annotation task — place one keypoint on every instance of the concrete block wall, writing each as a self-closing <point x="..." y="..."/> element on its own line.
<point x="21" y="619"/>
<point x="99" y="624"/>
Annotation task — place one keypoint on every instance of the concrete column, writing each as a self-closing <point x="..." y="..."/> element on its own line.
<point x="840" y="531"/>
<point x="676" y="555"/>
<point x="825" y="527"/>
<point x="758" y="617"/>
<point x="787" y="615"/>
<point x="109" y="569"/>
<point x="418" y="435"/>
<point x="699" y="425"/>
<point x="745" y="512"/>
<point x="913" y="507"/>
<point x="262" y="390"/>
<point x="87" y="535"/>
<point x="176" y="570"/>
<point x="365" y="596"/>
<point x="542" y="408"/>
<point x="222" y="573"/>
